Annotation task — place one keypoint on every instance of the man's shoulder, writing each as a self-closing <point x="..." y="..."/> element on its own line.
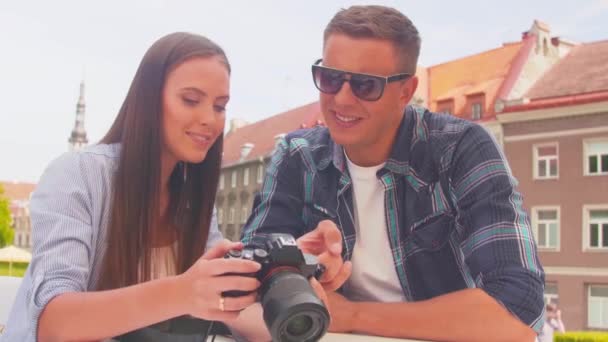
<point x="444" y="131"/>
<point x="440" y="124"/>
<point x="314" y="144"/>
<point x="435" y="138"/>
<point x="312" y="138"/>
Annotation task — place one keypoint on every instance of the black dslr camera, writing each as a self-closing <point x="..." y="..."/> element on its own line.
<point x="292" y="310"/>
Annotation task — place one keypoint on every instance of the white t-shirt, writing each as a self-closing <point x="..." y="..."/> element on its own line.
<point x="373" y="277"/>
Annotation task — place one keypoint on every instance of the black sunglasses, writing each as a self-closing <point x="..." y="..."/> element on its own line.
<point x="364" y="86"/>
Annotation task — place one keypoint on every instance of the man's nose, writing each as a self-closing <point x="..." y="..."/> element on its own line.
<point x="345" y="94"/>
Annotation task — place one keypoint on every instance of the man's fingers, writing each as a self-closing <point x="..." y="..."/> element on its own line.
<point x="332" y="236"/>
<point x="312" y="247"/>
<point x="340" y="278"/>
<point x="332" y="264"/>
<point x="326" y="237"/>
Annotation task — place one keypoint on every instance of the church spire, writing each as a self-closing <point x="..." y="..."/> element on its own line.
<point x="78" y="138"/>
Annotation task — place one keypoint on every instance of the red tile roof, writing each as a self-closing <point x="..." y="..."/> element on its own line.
<point x="261" y="134"/>
<point x="578" y="78"/>
<point x="480" y="73"/>
<point x="17" y="191"/>
<point x="562" y="101"/>
<point x="583" y="70"/>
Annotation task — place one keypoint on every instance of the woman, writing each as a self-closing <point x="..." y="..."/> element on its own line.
<point x="120" y="227"/>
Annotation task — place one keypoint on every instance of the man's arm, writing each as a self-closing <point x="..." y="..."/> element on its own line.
<point x="496" y="238"/>
<point x="498" y="249"/>
<point x="277" y="208"/>
<point x="466" y="315"/>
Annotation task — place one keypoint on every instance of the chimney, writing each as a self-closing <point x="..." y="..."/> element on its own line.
<point x="245" y="150"/>
<point x="235" y="124"/>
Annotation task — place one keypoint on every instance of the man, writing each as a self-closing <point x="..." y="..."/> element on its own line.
<point x="422" y="207"/>
<point x="553" y="323"/>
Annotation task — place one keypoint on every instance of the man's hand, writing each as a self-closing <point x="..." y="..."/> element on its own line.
<point x="342" y="313"/>
<point x="325" y="242"/>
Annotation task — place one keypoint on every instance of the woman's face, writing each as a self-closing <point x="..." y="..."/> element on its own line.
<point x="194" y="102"/>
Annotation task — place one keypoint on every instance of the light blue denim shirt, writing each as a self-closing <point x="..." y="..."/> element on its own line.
<point x="70" y="213"/>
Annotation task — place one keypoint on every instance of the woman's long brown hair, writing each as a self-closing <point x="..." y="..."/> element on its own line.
<point x="135" y="210"/>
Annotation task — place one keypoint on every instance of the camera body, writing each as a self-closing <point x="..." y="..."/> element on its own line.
<point x="276" y="252"/>
<point x="292" y="310"/>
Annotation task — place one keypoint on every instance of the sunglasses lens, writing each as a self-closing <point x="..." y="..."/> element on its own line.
<point x="367" y="88"/>
<point x="328" y="81"/>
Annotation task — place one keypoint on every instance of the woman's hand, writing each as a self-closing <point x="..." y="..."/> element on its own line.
<point x="202" y="284"/>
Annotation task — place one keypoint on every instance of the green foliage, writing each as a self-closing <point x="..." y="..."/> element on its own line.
<point x="6" y="230"/>
<point x="17" y="269"/>
<point x="582" y="336"/>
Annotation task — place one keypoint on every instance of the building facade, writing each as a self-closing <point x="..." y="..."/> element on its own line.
<point x="247" y="150"/>
<point x="556" y="140"/>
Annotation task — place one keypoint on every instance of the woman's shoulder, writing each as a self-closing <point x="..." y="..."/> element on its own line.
<point x="82" y="168"/>
<point x="94" y="157"/>
<point x="100" y="153"/>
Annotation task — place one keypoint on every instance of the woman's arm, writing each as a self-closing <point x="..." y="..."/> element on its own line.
<point x="104" y="314"/>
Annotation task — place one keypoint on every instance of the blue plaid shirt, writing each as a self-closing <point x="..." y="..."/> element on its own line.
<point x="454" y="217"/>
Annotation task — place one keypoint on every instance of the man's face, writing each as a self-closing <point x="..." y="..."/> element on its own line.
<point x="364" y="128"/>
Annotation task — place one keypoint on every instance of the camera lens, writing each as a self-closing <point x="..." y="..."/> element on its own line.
<point x="299" y="325"/>
<point x="292" y="310"/>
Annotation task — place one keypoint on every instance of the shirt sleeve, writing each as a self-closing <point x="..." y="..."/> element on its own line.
<point x="62" y="232"/>
<point x="214" y="235"/>
<point x="277" y="208"/>
<point x="497" y="242"/>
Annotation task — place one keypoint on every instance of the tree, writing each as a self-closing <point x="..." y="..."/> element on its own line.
<point x="6" y="230"/>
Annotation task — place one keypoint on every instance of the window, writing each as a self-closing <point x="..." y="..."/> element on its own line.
<point x="244" y="214"/>
<point x="260" y="173"/>
<point x="19" y="239"/>
<point x="546" y="161"/>
<point x="221" y="185"/>
<point x="597" y="228"/>
<point x="231" y="214"/>
<point x="246" y="177"/>
<point x="551" y="295"/>
<point x="220" y="216"/>
<point x="445" y="106"/>
<point x="597" y="307"/>
<point x="230" y="233"/>
<point x="476" y="111"/>
<point x="233" y="179"/>
<point x="596" y="157"/>
<point x="545" y="223"/>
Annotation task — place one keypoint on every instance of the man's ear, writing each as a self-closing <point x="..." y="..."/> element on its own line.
<point x="407" y="91"/>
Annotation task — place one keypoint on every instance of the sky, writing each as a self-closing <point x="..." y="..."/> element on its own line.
<point x="48" y="47"/>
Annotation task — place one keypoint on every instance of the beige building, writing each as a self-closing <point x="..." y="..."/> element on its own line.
<point x="247" y="149"/>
